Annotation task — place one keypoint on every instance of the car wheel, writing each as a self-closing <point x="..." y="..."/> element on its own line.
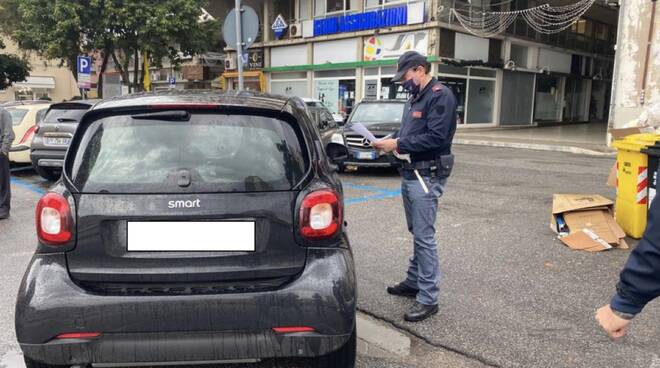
<point x="48" y="174"/>
<point x="342" y="358"/>
<point x="29" y="363"/>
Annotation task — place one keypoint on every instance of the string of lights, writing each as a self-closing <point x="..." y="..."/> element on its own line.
<point x="544" y="18"/>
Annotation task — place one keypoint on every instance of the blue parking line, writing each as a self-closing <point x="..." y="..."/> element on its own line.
<point x="380" y="193"/>
<point x="27" y="185"/>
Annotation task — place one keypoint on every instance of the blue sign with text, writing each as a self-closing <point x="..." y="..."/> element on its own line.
<point x="362" y="21"/>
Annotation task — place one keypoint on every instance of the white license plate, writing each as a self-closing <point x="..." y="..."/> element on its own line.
<point x="366" y="155"/>
<point x="237" y="236"/>
<point x="57" y="141"/>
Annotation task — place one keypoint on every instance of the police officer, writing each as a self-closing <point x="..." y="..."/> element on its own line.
<point x="639" y="282"/>
<point x="426" y="134"/>
<point x="6" y="138"/>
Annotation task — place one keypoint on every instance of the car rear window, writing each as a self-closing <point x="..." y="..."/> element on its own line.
<point x="217" y="153"/>
<point x="55" y="116"/>
<point x="17" y="115"/>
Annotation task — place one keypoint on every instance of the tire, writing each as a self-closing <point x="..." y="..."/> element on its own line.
<point x="344" y="357"/>
<point x="48" y="174"/>
<point x="29" y="363"/>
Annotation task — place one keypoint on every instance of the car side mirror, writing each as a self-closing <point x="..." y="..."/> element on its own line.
<point x="337" y="153"/>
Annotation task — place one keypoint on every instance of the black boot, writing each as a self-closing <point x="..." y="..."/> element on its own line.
<point x="402" y="289"/>
<point x="419" y="312"/>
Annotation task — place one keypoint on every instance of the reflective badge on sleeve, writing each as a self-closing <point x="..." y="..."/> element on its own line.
<point x="417" y="114"/>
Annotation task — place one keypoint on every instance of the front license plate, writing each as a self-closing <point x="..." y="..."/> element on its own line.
<point x="57" y="141"/>
<point x="371" y="155"/>
<point x="238" y="236"/>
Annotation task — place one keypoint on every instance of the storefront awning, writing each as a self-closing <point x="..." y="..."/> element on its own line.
<point x="37" y="82"/>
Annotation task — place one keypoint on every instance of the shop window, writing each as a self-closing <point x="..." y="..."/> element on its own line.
<point x="519" y="55"/>
<point x="304" y="10"/>
<point x="377" y="3"/>
<point x="481" y="96"/>
<point x="602" y="32"/>
<point x="323" y="7"/>
<point x="459" y="87"/>
<point x="286" y="8"/>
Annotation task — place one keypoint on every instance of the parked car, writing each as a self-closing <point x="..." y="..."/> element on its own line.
<point x="313" y="103"/>
<point x="326" y="123"/>
<point x="53" y="134"/>
<point x="382" y="118"/>
<point x="25" y="117"/>
<point x="191" y="227"/>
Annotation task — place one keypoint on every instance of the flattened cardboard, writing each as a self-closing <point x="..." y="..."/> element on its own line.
<point x="595" y="221"/>
<point x="570" y="202"/>
<point x="623" y="244"/>
<point x="590" y="221"/>
<point x="582" y="241"/>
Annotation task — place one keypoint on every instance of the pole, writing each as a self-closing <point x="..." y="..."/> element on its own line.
<point x="239" y="44"/>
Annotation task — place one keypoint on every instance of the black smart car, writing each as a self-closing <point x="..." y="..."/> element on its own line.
<point x="191" y="228"/>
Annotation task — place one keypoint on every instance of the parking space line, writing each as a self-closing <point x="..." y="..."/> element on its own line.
<point x="380" y="193"/>
<point x="27" y="185"/>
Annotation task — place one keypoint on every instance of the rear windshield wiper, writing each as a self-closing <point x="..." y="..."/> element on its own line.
<point x="66" y="120"/>
<point x="174" y="115"/>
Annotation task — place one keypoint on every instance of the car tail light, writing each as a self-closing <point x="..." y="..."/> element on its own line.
<point x="54" y="219"/>
<point x="27" y="137"/>
<point x="78" y="335"/>
<point x="320" y="215"/>
<point x="283" y="330"/>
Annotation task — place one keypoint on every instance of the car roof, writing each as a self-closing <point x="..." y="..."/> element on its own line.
<point x="29" y="106"/>
<point x="75" y="103"/>
<point x="230" y="98"/>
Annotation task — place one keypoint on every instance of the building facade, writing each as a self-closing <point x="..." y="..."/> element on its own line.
<point x="637" y="69"/>
<point x="47" y="79"/>
<point x="344" y="51"/>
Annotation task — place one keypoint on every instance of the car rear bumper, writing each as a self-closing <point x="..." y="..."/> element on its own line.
<point x="191" y="328"/>
<point x="47" y="158"/>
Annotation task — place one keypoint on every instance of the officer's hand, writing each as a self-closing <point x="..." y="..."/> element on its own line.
<point x="615" y="326"/>
<point x="387" y="145"/>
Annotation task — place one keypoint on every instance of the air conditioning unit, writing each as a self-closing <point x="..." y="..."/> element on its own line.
<point x="295" y="30"/>
<point x="230" y="62"/>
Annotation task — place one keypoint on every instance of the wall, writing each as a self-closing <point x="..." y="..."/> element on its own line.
<point x="635" y="19"/>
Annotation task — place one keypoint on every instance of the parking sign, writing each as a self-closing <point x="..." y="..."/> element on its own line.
<point x="84" y="65"/>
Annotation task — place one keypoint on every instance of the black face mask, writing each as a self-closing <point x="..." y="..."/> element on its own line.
<point x="411" y="87"/>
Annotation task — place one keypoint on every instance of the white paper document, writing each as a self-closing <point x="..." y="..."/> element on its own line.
<point x="362" y="130"/>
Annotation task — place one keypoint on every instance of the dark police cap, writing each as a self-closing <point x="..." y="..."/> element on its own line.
<point x="409" y="59"/>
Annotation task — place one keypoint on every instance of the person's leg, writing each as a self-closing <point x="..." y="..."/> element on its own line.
<point x="5" y="186"/>
<point x="411" y="278"/>
<point x="424" y="212"/>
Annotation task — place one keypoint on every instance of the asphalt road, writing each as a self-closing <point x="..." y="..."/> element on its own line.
<point x="512" y="295"/>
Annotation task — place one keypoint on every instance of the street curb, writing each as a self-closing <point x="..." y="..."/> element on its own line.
<point x="536" y="147"/>
<point x="381" y="336"/>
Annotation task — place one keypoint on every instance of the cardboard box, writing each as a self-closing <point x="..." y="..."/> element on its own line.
<point x="624" y="132"/>
<point x="590" y="221"/>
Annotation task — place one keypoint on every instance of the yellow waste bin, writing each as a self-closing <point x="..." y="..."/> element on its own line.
<point x="632" y="182"/>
